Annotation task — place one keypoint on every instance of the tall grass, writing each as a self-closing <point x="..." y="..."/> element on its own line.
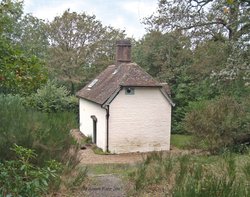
<point x="47" y="134"/>
<point x="186" y="176"/>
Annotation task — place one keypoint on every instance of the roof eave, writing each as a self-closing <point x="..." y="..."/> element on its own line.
<point x="81" y="97"/>
<point x="150" y="86"/>
<point x="112" y="97"/>
<point x="167" y="97"/>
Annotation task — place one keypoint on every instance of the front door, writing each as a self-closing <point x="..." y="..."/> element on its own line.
<point x="94" y="136"/>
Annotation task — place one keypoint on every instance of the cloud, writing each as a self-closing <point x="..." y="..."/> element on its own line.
<point x="141" y="8"/>
<point x="122" y="14"/>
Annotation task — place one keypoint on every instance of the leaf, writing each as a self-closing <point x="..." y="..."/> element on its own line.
<point x="44" y="182"/>
<point x="230" y="1"/>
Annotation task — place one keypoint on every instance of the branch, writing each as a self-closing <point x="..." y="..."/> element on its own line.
<point x="218" y="22"/>
<point x="199" y="25"/>
<point x="244" y="30"/>
<point x="199" y="4"/>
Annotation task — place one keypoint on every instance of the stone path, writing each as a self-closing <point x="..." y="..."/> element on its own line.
<point x="110" y="185"/>
<point x="106" y="185"/>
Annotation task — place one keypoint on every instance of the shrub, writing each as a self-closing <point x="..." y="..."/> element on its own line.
<point x="52" y="98"/>
<point x="218" y="122"/>
<point x="20" y="178"/>
<point x="47" y="134"/>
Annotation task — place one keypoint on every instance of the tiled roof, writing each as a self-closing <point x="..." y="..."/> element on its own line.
<point x="113" y="78"/>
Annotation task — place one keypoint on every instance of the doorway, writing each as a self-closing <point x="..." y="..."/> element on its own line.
<point x="94" y="136"/>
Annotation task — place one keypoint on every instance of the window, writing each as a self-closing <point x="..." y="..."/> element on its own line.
<point x="129" y="91"/>
<point x="92" y="83"/>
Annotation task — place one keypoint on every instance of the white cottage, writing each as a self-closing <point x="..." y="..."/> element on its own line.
<point x="124" y="109"/>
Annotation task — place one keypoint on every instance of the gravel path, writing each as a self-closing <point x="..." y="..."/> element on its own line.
<point x="110" y="185"/>
<point x="87" y="156"/>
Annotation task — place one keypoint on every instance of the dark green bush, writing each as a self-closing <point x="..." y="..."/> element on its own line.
<point x="218" y="123"/>
<point x="20" y="177"/>
<point x="52" y="98"/>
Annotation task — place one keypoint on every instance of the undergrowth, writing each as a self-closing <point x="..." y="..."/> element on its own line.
<point x="187" y="175"/>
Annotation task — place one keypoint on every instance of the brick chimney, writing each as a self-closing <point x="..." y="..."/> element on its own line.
<point x="123" y="51"/>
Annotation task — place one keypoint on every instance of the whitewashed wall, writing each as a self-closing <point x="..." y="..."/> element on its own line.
<point x="87" y="109"/>
<point x="140" y="122"/>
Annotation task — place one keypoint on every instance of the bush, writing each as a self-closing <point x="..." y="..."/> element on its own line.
<point x="218" y="122"/>
<point x="20" y="178"/>
<point x="47" y="134"/>
<point x="52" y="98"/>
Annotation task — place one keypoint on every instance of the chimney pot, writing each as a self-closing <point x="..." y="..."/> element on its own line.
<point x="123" y="51"/>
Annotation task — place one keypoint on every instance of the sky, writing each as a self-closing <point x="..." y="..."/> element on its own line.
<point x="123" y="14"/>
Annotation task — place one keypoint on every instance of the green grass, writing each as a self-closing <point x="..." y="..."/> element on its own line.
<point x="223" y="175"/>
<point x="181" y="141"/>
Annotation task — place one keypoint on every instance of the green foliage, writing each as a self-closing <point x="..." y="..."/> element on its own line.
<point x="98" y="150"/>
<point x="187" y="175"/>
<point x="198" y="181"/>
<point x="87" y="140"/>
<point x="52" y="98"/>
<point x="153" y="170"/>
<point x="20" y="177"/>
<point x="11" y="12"/>
<point x="33" y="36"/>
<point x="217" y="122"/>
<point x="201" y="20"/>
<point x="78" y="181"/>
<point x="47" y="134"/>
<point x="80" y="47"/>
<point x="247" y="170"/>
<point x="163" y="55"/>
<point x="20" y="72"/>
<point x="181" y="141"/>
<point x="210" y="56"/>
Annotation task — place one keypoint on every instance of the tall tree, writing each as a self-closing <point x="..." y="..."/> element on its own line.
<point x="204" y="18"/>
<point x="163" y="55"/>
<point x="33" y="37"/>
<point x="20" y="71"/>
<point x="78" y="43"/>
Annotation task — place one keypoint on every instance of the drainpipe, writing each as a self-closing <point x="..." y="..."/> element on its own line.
<point x="107" y="118"/>
<point x="106" y="107"/>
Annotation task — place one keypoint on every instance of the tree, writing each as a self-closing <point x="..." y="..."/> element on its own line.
<point x="10" y="15"/>
<point x="203" y="19"/>
<point x="20" y="71"/>
<point x="33" y="38"/>
<point x="78" y="43"/>
<point x="167" y="56"/>
<point x="163" y="55"/>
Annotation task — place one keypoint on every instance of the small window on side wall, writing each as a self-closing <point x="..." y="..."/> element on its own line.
<point x="129" y="91"/>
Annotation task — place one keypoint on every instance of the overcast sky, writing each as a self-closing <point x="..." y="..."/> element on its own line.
<point x="123" y="14"/>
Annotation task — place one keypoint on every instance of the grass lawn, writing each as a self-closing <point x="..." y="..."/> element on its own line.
<point x="181" y="141"/>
